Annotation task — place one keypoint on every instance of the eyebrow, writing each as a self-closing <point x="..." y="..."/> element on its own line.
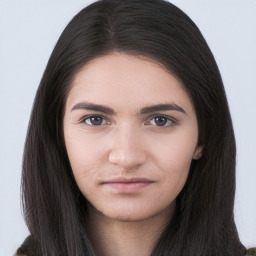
<point x="94" y="107"/>
<point x="162" y="107"/>
<point x="145" y="110"/>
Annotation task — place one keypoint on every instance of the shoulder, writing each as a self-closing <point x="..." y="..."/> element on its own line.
<point x="28" y="248"/>
<point x="20" y="252"/>
<point x="251" y="252"/>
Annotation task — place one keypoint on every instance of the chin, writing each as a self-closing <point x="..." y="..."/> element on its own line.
<point x="127" y="218"/>
<point x="130" y="215"/>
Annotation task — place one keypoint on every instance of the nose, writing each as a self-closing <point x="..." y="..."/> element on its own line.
<point x="127" y="149"/>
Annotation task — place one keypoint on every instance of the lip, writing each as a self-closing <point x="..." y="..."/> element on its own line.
<point x="131" y="185"/>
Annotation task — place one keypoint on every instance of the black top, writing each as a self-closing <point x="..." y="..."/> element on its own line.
<point x="28" y="248"/>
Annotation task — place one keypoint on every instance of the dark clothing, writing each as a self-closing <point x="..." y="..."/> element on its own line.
<point x="28" y="248"/>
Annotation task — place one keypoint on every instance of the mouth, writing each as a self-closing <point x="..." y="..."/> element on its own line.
<point x="132" y="185"/>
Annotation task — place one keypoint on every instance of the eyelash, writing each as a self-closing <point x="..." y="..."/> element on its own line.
<point x="170" y="121"/>
<point x="83" y="120"/>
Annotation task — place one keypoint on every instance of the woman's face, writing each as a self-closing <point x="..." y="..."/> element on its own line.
<point x="131" y="133"/>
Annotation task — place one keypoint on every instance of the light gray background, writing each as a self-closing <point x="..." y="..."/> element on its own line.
<point x="29" y="30"/>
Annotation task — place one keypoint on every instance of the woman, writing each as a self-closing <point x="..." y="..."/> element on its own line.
<point x="130" y="148"/>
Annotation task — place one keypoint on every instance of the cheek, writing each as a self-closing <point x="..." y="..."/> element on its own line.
<point x="175" y="173"/>
<point x="175" y="170"/>
<point x="175" y="150"/>
<point x="84" y="155"/>
<point x="83" y="160"/>
<point x="173" y="158"/>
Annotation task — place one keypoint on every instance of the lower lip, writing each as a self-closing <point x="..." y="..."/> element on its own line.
<point x="129" y="187"/>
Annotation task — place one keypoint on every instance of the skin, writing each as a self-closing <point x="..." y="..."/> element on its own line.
<point x="157" y="145"/>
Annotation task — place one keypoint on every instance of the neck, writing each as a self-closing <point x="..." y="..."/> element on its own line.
<point x="124" y="238"/>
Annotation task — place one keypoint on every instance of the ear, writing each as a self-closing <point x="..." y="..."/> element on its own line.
<point x="198" y="152"/>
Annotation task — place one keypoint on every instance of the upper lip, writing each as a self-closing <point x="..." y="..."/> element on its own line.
<point x="128" y="180"/>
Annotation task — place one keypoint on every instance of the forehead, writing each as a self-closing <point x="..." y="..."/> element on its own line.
<point x="127" y="81"/>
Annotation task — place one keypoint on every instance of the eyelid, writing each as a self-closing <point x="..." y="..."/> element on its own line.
<point x="82" y="120"/>
<point x="163" y="115"/>
<point x="169" y="118"/>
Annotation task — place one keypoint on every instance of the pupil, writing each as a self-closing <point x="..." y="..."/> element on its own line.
<point x="96" y="120"/>
<point x="160" y="120"/>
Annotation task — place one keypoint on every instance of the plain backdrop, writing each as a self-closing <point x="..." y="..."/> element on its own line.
<point x="29" y="30"/>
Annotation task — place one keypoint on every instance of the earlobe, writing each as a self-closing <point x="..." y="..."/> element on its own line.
<point x="198" y="153"/>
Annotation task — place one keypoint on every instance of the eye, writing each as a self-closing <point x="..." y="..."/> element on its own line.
<point x="161" y="121"/>
<point x="94" y="120"/>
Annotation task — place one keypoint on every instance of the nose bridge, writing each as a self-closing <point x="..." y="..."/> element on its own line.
<point x="127" y="149"/>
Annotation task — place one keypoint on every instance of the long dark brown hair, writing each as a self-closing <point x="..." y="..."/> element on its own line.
<point x="55" y="209"/>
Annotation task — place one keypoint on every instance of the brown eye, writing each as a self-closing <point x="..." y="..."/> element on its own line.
<point x="161" y="121"/>
<point x="95" y="120"/>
